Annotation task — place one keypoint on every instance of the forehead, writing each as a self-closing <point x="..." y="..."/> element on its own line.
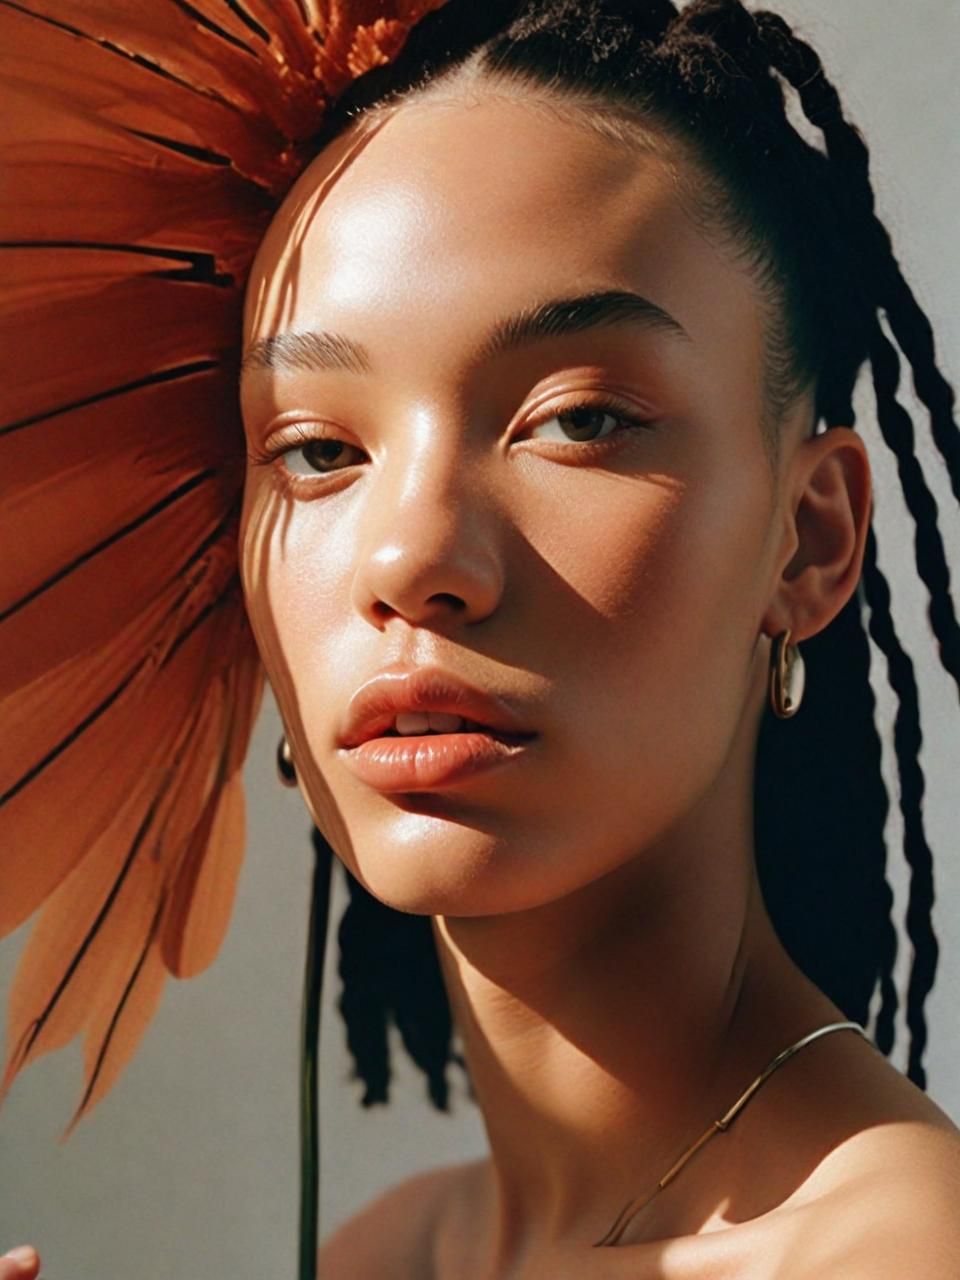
<point x="447" y="213"/>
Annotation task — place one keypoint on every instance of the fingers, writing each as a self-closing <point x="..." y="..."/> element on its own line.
<point x="22" y="1263"/>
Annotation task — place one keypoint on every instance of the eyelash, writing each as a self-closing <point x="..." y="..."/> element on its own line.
<point x="301" y="438"/>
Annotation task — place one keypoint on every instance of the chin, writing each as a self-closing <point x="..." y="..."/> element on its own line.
<point x="430" y="860"/>
<point x="431" y="857"/>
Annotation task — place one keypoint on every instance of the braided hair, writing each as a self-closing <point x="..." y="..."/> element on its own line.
<point x="714" y="79"/>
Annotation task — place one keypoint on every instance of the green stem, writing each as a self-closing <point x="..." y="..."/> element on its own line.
<point x="309" y="1048"/>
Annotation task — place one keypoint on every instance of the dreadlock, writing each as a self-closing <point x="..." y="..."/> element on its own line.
<point x="712" y="78"/>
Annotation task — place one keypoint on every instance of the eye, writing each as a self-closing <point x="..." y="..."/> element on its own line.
<point x="317" y="455"/>
<point x="589" y="422"/>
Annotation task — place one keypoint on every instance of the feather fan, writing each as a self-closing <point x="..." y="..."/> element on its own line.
<point x="143" y="149"/>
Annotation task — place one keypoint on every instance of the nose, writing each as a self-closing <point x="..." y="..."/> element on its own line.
<point x="429" y="537"/>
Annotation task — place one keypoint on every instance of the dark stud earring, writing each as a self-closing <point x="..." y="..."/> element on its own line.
<point x="286" y="769"/>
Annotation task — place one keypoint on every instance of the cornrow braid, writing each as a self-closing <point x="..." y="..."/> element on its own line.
<point x="907" y="740"/>
<point x="713" y="76"/>
<point x="822" y="867"/>
<point x="897" y="430"/>
<point x="801" y="66"/>
<point x="910" y="326"/>
<point x="388" y="966"/>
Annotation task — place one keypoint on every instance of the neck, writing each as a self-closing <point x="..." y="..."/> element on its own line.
<point x="603" y="1033"/>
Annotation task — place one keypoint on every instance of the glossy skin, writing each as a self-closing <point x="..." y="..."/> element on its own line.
<point x="612" y="967"/>
<point x="581" y="585"/>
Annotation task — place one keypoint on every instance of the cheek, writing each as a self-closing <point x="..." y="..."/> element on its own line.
<point x="294" y="580"/>
<point x="662" y="650"/>
<point x="260" y="526"/>
<point x="664" y="570"/>
<point x="291" y="596"/>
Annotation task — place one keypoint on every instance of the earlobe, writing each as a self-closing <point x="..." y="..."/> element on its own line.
<point x="830" y="494"/>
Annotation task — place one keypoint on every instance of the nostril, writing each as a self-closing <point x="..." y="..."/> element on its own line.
<point x="442" y="600"/>
<point x="444" y="597"/>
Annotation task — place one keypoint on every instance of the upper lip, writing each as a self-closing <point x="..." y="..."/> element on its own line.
<point x="374" y="706"/>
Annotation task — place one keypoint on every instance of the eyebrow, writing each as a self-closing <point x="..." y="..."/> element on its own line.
<point x="323" y="351"/>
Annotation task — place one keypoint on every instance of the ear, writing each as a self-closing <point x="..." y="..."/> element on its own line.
<point x="827" y="497"/>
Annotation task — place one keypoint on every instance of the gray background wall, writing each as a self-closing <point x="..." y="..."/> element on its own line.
<point x="190" y="1166"/>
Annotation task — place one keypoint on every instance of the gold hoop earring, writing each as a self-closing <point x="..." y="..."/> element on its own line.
<point x="286" y="769"/>
<point x="787" y="677"/>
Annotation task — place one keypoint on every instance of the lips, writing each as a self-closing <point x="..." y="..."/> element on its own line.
<point x="374" y="707"/>
<point x="428" y="761"/>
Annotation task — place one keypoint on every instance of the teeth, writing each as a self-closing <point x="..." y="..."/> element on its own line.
<point x="410" y="722"/>
<point x="444" y="722"/>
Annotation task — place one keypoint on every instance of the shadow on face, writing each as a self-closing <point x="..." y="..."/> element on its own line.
<point x="501" y="399"/>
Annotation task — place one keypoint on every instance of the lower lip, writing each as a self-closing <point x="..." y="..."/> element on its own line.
<point x="422" y="762"/>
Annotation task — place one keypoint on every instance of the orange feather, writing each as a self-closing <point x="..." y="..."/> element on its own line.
<point x="144" y="149"/>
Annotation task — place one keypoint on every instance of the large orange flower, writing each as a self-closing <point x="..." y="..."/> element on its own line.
<point x="145" y="144"/>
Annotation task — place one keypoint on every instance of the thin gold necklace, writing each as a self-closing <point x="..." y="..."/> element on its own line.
<point x="633" y="1207"/>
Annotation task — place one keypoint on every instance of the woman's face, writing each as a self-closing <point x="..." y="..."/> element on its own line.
<point x="613" y="593"/>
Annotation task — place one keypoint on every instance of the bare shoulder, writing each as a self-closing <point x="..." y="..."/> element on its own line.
<point x="394" y="1234"/>
<point x="887" y="1206"/>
